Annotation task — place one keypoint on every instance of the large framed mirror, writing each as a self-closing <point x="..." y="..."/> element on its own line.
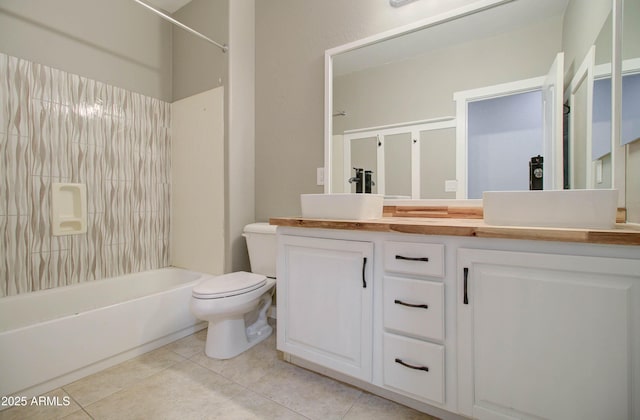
<point x="430" y="94"/>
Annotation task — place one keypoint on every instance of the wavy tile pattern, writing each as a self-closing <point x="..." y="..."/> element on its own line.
<point x="60" y="127"/>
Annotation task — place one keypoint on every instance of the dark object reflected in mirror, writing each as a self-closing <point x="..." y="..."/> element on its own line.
<point x="536" y="173"/>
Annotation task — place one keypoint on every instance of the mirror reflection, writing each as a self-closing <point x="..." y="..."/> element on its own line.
<point x="469" y="105"/>
<point x="588" y="154"/>
<point x="630" y="127"/>
<point x="630" y="73"/>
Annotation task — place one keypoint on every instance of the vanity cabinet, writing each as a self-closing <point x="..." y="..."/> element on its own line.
<point x="547" y="336"/>
<point x="456" y="327"/>
<point x="325" y="290"/>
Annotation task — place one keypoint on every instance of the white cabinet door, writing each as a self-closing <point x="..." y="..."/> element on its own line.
<point x="548" y="336"/>
<point x="324" y="302"/>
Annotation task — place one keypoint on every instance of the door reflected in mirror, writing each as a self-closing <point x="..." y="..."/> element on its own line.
<point x="503" y="135"/>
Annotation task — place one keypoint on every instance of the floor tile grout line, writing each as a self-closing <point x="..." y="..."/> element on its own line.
<point x="316" y="373"/>
<point x="82" y="407"/>
<point x="87" y="413"/>
<point x="75" y="401"/>
<point x="362" y="392"/>
<point x="120" y="389"/>
<point x="246" y="388"/>
<point x="218" y="373"/>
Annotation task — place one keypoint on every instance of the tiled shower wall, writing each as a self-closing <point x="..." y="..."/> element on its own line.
<point x="60" y="127"/>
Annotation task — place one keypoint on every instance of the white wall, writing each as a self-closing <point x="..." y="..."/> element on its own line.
<point x="337" y="155"/>
<point x="240" y="153"/>
<point x="197" y="182"/>
<point x="581" y="26"/>
<point x="197" y="64"/>
<point x="117" y="42"/>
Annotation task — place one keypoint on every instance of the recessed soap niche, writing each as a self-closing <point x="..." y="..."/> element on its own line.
<point x="68" y="209"/>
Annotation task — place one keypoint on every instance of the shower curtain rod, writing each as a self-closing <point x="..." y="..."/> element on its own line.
<point x="163" y="15"/>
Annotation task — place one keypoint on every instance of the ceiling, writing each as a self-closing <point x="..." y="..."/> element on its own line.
<point x="169" y="5"/>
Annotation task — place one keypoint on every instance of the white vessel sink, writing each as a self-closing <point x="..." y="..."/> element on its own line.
<point x="342" y="206"/>
<point x="592" y="209"/>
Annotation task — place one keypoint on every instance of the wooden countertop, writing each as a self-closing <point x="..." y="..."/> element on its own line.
<point x="622" y="235"/>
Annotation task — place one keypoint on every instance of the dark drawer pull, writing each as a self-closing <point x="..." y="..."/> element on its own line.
<point x="411" y="305"/>
<point x="364" y="279"/>
<point x="399" y="361"/>
<point x="465" y="299"/>
<point x="423" y="259"/>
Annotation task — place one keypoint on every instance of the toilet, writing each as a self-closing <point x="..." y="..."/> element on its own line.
<point x="236" y="304"/>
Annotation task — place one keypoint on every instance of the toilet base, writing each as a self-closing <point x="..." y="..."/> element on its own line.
<point x="227" y="338"/>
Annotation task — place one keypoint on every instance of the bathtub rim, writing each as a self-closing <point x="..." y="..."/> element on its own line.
<point x="88" y="285"/>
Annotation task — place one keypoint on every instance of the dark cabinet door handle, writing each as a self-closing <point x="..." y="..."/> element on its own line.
<point x="465" y="299"/>
<point x="399" y="361"/>
<point x="423" y="259"/>
<point x="364" y="279"/>
<point x="411" y="305"/>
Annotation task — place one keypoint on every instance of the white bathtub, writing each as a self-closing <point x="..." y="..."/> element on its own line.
<point x="53" y="337"/>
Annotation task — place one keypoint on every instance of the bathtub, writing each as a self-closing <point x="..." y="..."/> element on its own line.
<point x="52" y="337"/>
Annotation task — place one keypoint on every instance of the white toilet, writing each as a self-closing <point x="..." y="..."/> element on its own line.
<point x="236" y="304"/>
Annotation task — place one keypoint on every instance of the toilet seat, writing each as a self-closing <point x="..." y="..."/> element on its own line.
<point x="231" y="284"/>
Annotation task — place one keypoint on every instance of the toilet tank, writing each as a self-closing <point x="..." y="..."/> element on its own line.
<point x="261" y="244"/>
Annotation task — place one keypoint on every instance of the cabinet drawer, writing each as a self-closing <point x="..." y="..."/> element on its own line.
<point x="414" y="367"/>
<point x="415" y="307"/>
<point x="414" y="258"/>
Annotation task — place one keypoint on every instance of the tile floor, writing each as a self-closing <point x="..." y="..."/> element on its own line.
<point x="178" y="381"/>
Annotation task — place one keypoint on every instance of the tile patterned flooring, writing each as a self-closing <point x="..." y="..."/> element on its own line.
<point x="178" y="381"/>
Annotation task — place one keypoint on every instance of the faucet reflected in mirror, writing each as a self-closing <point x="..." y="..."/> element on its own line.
<point x="363" y="180"/>
<point x="358" y="179"/>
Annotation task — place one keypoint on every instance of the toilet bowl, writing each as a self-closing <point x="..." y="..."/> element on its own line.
<point x="235" y="305"/>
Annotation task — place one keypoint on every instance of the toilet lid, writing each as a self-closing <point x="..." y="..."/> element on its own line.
<point x="228" y="285"/>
